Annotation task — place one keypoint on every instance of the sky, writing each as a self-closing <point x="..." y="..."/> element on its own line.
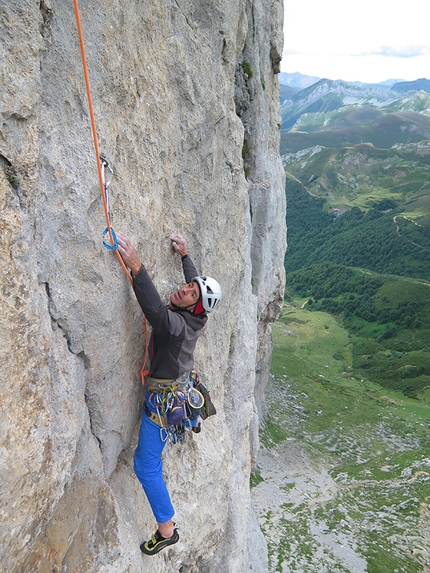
<point x="368" y="41"/>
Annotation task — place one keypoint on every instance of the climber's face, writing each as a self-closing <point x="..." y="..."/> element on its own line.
<point x="187" y="296"/>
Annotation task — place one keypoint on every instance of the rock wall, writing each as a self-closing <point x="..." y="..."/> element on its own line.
<point x="182" y="119"/>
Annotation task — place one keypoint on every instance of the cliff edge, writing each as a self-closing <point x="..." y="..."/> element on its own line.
<point x="186" y="101"/>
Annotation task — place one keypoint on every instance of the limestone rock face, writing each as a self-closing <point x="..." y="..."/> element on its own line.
<point x="181" y="122"/>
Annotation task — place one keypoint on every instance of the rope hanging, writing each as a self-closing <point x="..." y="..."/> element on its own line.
<point x="101" y="164"/>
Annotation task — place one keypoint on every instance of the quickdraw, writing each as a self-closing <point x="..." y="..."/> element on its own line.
<point x="104" y="163"/>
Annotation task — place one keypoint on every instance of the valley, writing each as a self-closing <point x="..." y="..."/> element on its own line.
<point x="343" y="477"/>
<point x="343" y="481"/>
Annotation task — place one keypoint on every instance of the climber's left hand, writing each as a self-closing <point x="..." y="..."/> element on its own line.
<point x="179" y="244"/>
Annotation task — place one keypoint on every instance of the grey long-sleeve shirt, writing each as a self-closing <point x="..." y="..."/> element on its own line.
<point x="174" y="331"/>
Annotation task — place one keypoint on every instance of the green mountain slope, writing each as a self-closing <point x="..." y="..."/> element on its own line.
<point x="371" y="270"/>
<point x="358" y="194"/>
<point x="326" y="97"/>
<point x="381" y="130"/>
<point x="388" y="319"/>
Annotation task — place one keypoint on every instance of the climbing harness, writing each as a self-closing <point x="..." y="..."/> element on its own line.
<point x="102" y="164"/>
<point x="175" y="405"/>
<point x="169" y="407"/>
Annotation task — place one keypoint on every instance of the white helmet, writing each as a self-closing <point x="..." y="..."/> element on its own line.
<point x="210" y="291"/>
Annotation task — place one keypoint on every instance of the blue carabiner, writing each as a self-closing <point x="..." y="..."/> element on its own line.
<point x="115" y="245"/>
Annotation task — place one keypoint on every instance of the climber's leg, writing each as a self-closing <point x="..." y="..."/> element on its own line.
<point x="149" y="470"/>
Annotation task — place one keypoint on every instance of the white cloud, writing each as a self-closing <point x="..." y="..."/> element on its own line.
<point x="373" y="41"/>
<point x="398" y="52"/>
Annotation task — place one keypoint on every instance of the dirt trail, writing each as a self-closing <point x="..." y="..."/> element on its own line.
<point x="405" y="238"/>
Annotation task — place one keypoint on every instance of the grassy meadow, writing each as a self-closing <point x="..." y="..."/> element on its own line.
<point x="370" y="513"/>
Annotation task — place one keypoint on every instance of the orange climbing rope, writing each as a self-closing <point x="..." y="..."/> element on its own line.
<point x="143" y="371"/>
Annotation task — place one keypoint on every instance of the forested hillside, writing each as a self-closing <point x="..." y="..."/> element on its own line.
<point x="380" y="239"/>
<point x="358" y="191"/>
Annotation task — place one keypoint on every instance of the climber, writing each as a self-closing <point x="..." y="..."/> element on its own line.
<point x="175" y="330"/>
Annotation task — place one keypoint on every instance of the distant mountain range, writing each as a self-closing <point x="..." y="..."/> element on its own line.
<point x="355" y="145"/>
<point x="298" y="81"/>
<point x="302" y="110"/>
<point x="418" y="85"/>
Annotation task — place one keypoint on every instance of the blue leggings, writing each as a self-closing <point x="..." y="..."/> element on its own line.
<point x="149" y="469"/>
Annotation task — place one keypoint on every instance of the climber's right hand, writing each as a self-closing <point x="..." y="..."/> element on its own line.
<point x="128" y="253"/>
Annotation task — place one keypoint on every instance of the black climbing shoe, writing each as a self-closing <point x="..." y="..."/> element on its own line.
<point x="158" y="542"/>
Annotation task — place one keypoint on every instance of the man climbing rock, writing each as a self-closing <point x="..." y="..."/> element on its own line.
<point x="175" y="330"/>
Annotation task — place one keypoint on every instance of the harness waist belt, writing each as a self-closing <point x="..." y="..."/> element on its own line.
<point x="155" y="384"/>
<point x="161" y="381"/>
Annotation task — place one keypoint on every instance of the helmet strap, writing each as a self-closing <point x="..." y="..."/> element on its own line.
<point x="176" y="307"/>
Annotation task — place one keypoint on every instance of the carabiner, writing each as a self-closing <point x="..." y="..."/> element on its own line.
<point x="105" y="163"/>
<point x="166" y="434"/>
<point x="115" y="240"/>
<point x="195" y="398"/>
